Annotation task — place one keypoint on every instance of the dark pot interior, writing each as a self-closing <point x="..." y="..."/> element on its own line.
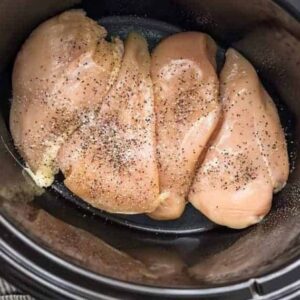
<point x="217" y="262"/>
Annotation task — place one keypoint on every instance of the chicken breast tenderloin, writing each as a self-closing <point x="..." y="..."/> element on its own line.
<point x="111" y="162"/>
<point x="64" y="69"/>
<point x="248" y="159"/>
<point x="187" y="111"/>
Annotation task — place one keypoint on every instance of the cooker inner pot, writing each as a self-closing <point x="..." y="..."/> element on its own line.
<point x="191" y="251"/>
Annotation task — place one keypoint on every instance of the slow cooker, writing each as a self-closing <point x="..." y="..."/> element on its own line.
<point x="54" y="246"/>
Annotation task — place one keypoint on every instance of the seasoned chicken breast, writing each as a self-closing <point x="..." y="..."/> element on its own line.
<point x="187" y="111"/>
<point x="64" y="69"/>
<point x="248" y="159"/>
<point x="110" y="162"/>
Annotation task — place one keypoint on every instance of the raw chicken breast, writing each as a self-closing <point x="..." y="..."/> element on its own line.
<point x="187" y="112"/>
<point x="64" y="68"/>
<point x="248" y="159"/>
<point x="110" y="162"/>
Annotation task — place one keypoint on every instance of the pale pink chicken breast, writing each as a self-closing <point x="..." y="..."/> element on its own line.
<point x="110" y="162"/>
<point x="248" y="159"/>
<point x="187" y="111"/>
<point x="64" y="68"/>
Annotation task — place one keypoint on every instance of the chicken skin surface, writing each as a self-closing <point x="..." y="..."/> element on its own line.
<point x="64" y="69"/>
<point x="187" y="111"/>
<point x="248" y="159"/>
<point x="110" y="162"/>
<point x="136" y="133"/>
